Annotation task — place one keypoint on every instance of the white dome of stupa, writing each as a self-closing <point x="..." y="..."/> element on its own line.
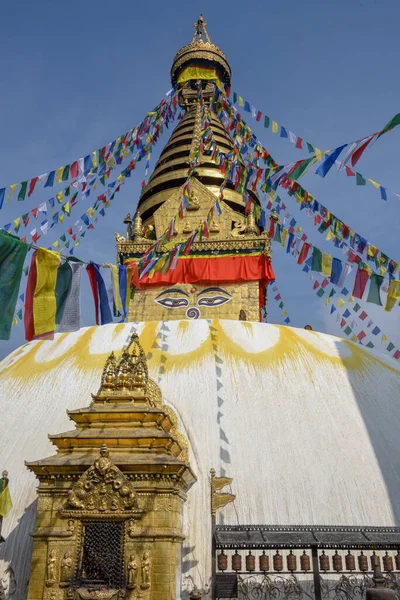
<point x="307" y="424"/>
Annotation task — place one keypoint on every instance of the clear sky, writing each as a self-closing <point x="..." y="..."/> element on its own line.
<point x="76" y="75"/>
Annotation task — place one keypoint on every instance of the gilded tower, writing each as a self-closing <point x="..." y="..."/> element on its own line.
<point x="225" y="272"/>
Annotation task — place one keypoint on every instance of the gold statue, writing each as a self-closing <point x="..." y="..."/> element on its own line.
<point x="132" y="572"/>
<point x="187" y="228"/>
<point x="120" y="238"/>
<point x="145" y="571"/>
<point x="51" y="567"/>
<point x="66" y="566"/>
<point x="214" y="227"/>
<point x="200" y="30"/>
<point x="194" y="202"/>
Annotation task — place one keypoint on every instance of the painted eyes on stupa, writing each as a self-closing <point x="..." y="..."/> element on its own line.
<point x="213" y="301"/>
<point x="173" y="302"/>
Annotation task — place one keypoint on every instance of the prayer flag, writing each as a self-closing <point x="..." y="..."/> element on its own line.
<point x="360" y="179"/>
<point x="63" y="283"/>
<point x="70" y="320"/>
<point x="44" y="301"/>
<point x="329" y="161"/>
<point x="393" y="294"/>
<point x="392" y="123"/>
<point x="50" y="179"/>
<point x="12" y="257"/>
<point x="360" y="283"/>
<point x="22" y="191"/>
<point x="326" y="264"/>
<point x="374" y="289"/>
<point x="316" y="264"/>
<point x="303" y="254"/>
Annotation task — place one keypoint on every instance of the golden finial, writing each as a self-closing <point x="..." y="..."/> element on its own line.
<point x="128" y="223"/>
<point x="218" y="499"/>
<point x="200" y="30"/>
<point x="137" y="231"/>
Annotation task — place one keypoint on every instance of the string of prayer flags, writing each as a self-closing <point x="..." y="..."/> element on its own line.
<point x="164" y="112"/>
<point x="12" y="257"/>
<point x="71" y="313"/>
<point x="353" y="155"/>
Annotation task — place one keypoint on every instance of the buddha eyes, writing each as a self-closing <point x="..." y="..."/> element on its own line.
<point x="213" y="301"/>
<point x="173" y="302"/>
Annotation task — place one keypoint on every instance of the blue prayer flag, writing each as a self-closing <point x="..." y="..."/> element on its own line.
<point x="283" y="133"/>
<point x="383" y="193"/>
<point x="346" y="313"/>
<point x="50" y="179"/>
<point x="336" y="270"/>
<point x="329" y="161"/>
<point x="247" y="106"/>
<point x="2" y="195"/>
<point x="375" y="331"/>
<point x="345" y="292"/>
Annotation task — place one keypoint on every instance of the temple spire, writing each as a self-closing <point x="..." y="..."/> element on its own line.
<point x="200" y="30"/>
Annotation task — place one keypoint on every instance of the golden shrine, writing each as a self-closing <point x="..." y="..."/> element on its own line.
<point x="226" y="271"/>
<point x="107" y="531"/>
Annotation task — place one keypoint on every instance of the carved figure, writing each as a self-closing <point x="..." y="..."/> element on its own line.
<point x="146" y="571"/>
<point x="132" y="572"/>
<point x="119" y="238"/>
<point x="66" y="566"/>
<point x="51" y="568"/>
<point x="194" y="202"/>
<point x="238" y="228"/>
<point x="214" y="227"/>
<point x="187" y="228"/>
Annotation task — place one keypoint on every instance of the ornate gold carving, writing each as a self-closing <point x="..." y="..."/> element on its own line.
<point x="51" y="567"/>
<point x="119" y="238"/>
<point x="145" y="568"/>
<point x="103" y="488"/>
<point x="132" y="572"/>
<point x="174" y="431"/>
<point x="194" y="202"/>
<point x="200" y="30"/>
<point x="219" y="500"/>
<point x="137" y="232"/>
<point x="66" y="567"/>
<point x="197" y="131"/>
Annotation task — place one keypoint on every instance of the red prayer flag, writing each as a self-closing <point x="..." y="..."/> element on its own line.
<point x="34" y="211"/>
<point x="396" y="354"/>
<point x="35" y="237"/>
<point x="91" y="271"/>
<point x="342" y="323"/>
<point x="360" y="283"/>
<point x="324" y="283"/>
<point x="258" y="117"/>
<point x="69" y="231"/>
<point x="299" y="143"/>
<point x="358" y="153"/>
<point x="316" y="284"/>
<point x="361" y="335"/>
<point x="32" y="184"/>
<point x="349" y="172"/>
<point x="303" y="254"/>
<point x="363" y="315"/>
<point x="74" y="169"/>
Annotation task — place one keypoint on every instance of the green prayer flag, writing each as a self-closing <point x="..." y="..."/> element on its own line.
<point x="390" y="347"/>
<point x="22" y="191"/>
<point x="360" y="179"/>
<point x="323" y="227"/>
<point x="298" y="172"/>
<point x="65" y="173"/>
<point x="316" y="262"/>
<point x="266" y="121"/>
<point x="310" y="147"/>
<point x="63" y="237"/>
<point x="374" y="289"/>
<point x="320" y="292"/>
<point x="347" y="330"/>
<point x="63" y="284"/>
<point x="280" y="304"/>
<point x="67" y="191"/>
<point x="356" y="307"/>
<point x="332" y="293"/>
<point x="234" y="97"/>
<point x="19" y="314"/>
<point x="67" y="244"/>
<point x="370" y="345"/>
<point x="12" y="257"/>
<point x="277" y="236"/>
<point x="392" y="123"/>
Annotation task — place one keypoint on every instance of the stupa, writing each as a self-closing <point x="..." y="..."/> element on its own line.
<point x="306" y="424"/>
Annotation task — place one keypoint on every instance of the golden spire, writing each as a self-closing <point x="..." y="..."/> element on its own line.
<point x="200" y="30"/>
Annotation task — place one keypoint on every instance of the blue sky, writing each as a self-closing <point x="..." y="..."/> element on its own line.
<point x="76" y="75"/>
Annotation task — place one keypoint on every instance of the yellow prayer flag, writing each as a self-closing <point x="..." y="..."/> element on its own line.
<point x="115" y="281"/>
<point x="382" y="270"/>
<point x="120" y="178"/>
<point x="111" y="163"/>
<point x="374" y="183"/>
<point x="284" y="236"/>
<point x="129" y="273"/>
<point x="284" y="312"/>
<point x="59" y="174"/>
<point x="340" y="302"/>
<point x="44" y="299"/>
<point x="326" y="264"/>
<point x="351" y="299"/>
<point x="61" y="217"/>
<point x="241" y="102"/>
<point x="275" y="127"/>
<point x="17" y="221"/>
<point x="329" y="235"/>
<point x="393" y="294"/>
<point x="60" y="197"/>
<point x="298" y="229"/>
<point x="5" y="501"/>
<point x="12" y="190"/>
<point x="318" y="154"/>
<point x="94" y="186"/>
<point x="77" y="243"/>
<point x="56" y="244"/>
<point x="354" y="338"/>
<point x="14" y="321"/>
<point x="90" y="211"/>
<point x="94" y="154"/>
<point x="384" y="338"/>
<point x="371" y="250"/>
<point x="327" y="301"/>
<point x="66" y="208"/>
